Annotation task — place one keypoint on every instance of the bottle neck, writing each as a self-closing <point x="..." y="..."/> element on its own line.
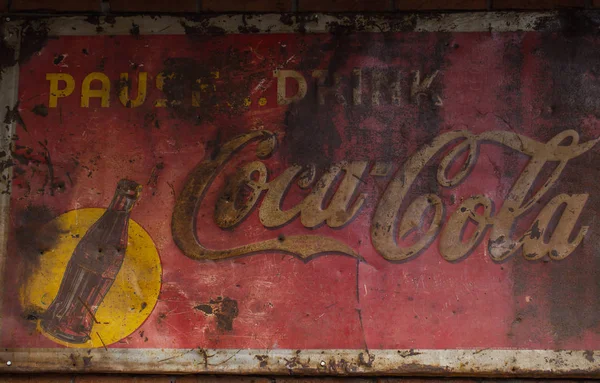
<point x="126" y="195"/>
<point x="122" y="202"/>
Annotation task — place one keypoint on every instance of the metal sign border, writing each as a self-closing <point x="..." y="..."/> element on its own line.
<point x="422" y="362"/>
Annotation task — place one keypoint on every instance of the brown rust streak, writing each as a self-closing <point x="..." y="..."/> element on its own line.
<point x="101" y="341"/>
<point x="88" y="310"/>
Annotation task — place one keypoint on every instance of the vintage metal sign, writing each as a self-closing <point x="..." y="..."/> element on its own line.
<point x="311" y="195"/>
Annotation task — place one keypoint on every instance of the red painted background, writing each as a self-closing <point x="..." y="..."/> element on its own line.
<point x="531" y="83"/>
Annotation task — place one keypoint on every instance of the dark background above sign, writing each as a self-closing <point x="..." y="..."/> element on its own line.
<point x="193" y="6"/>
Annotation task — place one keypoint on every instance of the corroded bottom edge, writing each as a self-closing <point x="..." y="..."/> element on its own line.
<point x="464" y="362"/>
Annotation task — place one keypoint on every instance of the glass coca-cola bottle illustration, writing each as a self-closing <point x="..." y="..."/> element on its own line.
<point x="92" y="270"/>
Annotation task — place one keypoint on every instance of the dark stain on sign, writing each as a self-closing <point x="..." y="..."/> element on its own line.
<point x="34" y="36"/>
<point x="58" y="59"/>
<point x="7" y="53"/>
<point x="577" y="24"/>
<point x="35" y="234"/>
<point x="511" y="112"/>
<point x="13" y="115"/>
<point x="33" y="39"/>
<point x="135" y="30"/>
<point x="572" y="60"/>
<point x="262" y="360"/>
<point x="183" y="78"/>
<point x="121" y="85"/>
<point x="40" y="110"/>
<point x="87" y="361"/>
<point x="311" y="134"/>
<point x="225" y="310"/>
<point x="202" y="28"/>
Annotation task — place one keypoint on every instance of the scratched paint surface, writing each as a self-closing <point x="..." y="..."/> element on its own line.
<point x="373" y="100"/>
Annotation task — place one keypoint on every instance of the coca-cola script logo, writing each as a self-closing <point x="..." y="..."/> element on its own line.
<point x="389" y="222"/>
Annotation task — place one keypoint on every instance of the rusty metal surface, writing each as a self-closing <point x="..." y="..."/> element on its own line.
<point x="321" y="194"/>
<point x="448" y="363"/>
<point x="105" y="378"/>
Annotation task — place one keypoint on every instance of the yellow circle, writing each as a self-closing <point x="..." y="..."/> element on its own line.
<point x="129" y="301"/>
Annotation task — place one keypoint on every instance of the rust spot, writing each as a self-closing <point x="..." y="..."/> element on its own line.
<point x="58" y="59"/>
<point x="535" y="231"/>
<point x="406" y="354"/>
<point x="13" y="115"/>
<point x="206" y="309"/>
<point x="262" y="360"/>
<point x="101" y="64"/>
<point x="287" y="19"/>
<point x="153" y="180"/>
<point x="225" y="311"/>
<point x="87" y="361"/>
<point x="295" y="362"/>
<point x="150" y="121"/>
<point x="228" y="310"/>
<point x="135" y="30"/>
<point x="248" y="28"/>
<point x="202" y="28"/>
<point x="32" y="315"/>
<point x="367" y="362"/>
<point x="122" y="84"/>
